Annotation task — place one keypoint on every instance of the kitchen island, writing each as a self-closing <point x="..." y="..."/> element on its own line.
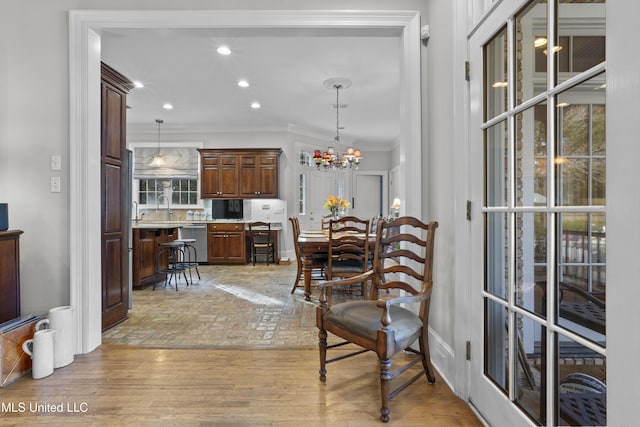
<point x="146" y="239"/>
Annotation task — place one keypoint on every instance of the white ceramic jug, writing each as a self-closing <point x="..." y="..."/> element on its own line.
<point x="61" y="319"/>
<point x="40" y="349"/>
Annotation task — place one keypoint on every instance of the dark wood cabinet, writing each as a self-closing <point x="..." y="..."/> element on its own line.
<point x="9" y="274"/>
<point x="239" y="173"/>
<point x="226" y="243"/>
<point x="219" y="175"/>
<point x="114" y="165"/>
<point x="259" y="174"/>
<point x="145" y="248"/>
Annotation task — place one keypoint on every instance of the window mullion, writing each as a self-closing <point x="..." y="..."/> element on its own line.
<point x="552" y="218"/>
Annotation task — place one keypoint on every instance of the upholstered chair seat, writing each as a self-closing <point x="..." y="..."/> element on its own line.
<point x="363" y="318"/>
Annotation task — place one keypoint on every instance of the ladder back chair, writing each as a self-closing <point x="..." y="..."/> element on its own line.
<point x="381" y="323"/>
<point x="262" y="242"/>
<point x="318" y="260"/>
<point x="325" y="221"/>
<point x="348" y="248"/>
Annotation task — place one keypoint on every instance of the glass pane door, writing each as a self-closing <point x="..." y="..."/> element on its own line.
<point x="538" y="324"/>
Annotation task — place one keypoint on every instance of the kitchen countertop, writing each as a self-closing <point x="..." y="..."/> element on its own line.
<point x="179" y="224"/>
<point x="156" y="225"/>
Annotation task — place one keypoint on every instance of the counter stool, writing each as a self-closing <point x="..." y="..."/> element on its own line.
<point x="189" y="256"/>
<point x="171" y="253"/>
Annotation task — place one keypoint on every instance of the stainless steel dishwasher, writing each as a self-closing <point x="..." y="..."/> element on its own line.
<point x="198" y="232"/>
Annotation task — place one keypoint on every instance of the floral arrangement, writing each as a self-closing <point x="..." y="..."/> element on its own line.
<point x="336" y="204"/>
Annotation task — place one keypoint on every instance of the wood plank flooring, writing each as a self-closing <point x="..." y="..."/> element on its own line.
<point x="132" y="386"/>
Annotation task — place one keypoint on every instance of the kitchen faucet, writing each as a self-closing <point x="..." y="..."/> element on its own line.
<point x="168" y="207"/>
<point x="137" y="218"/>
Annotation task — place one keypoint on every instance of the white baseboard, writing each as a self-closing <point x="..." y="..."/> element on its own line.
<point x="442" y="358"/>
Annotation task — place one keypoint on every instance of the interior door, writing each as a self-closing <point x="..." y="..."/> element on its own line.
<point x="318" y="185"/>
<point x="368" y="195"/>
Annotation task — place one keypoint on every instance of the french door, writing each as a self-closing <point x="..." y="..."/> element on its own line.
<point x="537" y="134"/>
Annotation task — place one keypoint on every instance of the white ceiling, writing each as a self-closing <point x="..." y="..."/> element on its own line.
<point x="286" y="69"/>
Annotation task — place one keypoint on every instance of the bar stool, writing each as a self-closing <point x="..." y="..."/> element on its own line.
<point x="189" y="256"/>
<point x="172" y="252"/>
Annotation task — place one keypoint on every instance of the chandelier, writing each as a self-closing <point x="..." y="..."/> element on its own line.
<point x="158" y="160"/>
<point x="331" y="159"/>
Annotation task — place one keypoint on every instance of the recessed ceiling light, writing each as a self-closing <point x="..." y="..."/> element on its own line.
<point x="224" y="50"/>
<point x="138" y="84"/>
<point x="255" y="105"/>
<point x="167" y="106"/>
<point x="243" y="83"/>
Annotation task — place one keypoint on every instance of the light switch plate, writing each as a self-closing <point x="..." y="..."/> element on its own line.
<point x="56" y="162"/>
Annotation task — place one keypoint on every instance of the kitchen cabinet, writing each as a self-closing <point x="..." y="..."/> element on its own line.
<point x="9" y="274"/>
<point x="259" y="174"/>
<point x="239" y="173"/>
<point x="219" y="175"/>
<point x="226" y="243"/>
<point x="146" y="245"/>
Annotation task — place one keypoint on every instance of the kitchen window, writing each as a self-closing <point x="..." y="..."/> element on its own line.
<point x="177" y="180"/>
<point x="182" y="192"/>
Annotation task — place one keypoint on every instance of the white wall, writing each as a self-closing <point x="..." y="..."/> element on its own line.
<point x="440" y="169"/>
<point x="623" y="206"/>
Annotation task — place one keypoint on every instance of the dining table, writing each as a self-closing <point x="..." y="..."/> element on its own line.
<point x="312" y="242"/>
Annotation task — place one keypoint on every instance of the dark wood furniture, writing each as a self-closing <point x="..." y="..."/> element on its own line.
<point x="261" y="241"/>
<point x="226" y="243"/>
<point x="382" y="323"/>
<point x="9" y="274"/>
<point x="348" y="249"/>
<point x="309" y="246"/>
<point x="325" y="221"/>
<point x="318" y="260"/>
<point x="218" y="174"/>
<point x="114" y="164"/>
<point x="145" y="248"/>
<point x="259" y="174"/>
<point x="232" y="173"/>
<point x="14" y="362"/>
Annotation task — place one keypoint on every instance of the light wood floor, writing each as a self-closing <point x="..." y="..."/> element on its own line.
<point x="125" y="385"/>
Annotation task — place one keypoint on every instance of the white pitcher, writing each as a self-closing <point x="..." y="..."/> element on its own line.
<point x="40" y="349"/>
<point x="64" y="345"/>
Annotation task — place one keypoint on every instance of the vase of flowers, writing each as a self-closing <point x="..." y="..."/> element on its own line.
<point x="336" y="205"/>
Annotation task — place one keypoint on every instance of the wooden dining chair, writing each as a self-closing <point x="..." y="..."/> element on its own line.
<point x="262" y="242"/>
<point x="325" y="221"/>
<point x="318" y="260"/>
<point x="384" y="324"/>
<point x="348" y="249"/>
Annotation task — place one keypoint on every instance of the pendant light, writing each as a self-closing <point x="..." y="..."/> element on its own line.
<point x="331" y="159"/>
<point x="158" y="160"/>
